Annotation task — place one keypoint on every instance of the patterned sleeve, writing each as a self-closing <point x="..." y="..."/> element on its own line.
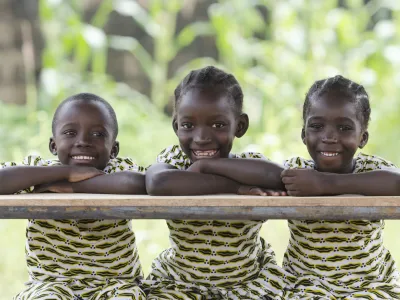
<point x="31" y="160"/>
<point x="251" y="155"/>
<point x="120" y="164"/>
<point x="366" y="163"/>
<point x="298" y="163"/>
<point x="174" y="156"/>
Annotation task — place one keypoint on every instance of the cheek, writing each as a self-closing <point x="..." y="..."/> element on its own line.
<point x="225" y="138"/>
<point x="183" y="136"/>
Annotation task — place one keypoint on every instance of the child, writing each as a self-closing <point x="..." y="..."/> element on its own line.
<point x="339" y="259"/>
<point x="80" y="259"/>
<point x="213" y="259"/>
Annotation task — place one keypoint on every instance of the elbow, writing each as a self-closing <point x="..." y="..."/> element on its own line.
<point x="156" y="184"/>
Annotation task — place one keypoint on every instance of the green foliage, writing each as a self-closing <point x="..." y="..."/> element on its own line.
<point x="276" y="49"/>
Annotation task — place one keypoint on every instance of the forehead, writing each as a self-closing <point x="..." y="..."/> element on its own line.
<point x="88" y="112"/>
<point x="332" y="105"/>
<point x="205" y="102"/>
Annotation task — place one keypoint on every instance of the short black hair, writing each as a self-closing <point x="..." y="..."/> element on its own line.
<point x="87" y="97"/>
<point x="211" y="77"/>
<point x="355" y="91"/>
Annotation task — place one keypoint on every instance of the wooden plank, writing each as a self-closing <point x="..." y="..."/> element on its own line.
<point x="100" y="206"/>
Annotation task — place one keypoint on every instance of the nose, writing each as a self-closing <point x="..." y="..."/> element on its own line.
<point x="202" y="136"/>
<point x="83" y="140"/>
<point x="330" y="136"/>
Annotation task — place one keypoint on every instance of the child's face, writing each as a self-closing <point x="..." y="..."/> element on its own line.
<point x="206" y="124"/>
<point x="84" y="135"/>
<point x="332" y="133"/>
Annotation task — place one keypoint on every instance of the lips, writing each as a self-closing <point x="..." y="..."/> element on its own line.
<point x="205" y="153"/>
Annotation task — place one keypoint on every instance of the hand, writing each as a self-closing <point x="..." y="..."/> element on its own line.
<point x="54" y="187"/>
<point x="304" y="182"/>
<point x="197" y="166"/>
<point x="82" y="173"/>
<point x="257" y="191"/>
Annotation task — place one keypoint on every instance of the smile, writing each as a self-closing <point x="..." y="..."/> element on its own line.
<point x="83" y="157"/>
<point x="205" y="153"/>
<point x="329" y="154"/>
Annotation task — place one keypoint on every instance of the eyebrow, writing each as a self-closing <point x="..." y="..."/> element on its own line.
<point x="71" y="124"/>
<point x="341" y="119"/>
<point x="209" y="117"/>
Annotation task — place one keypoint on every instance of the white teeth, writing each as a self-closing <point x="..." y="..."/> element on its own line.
<point x="207" y="153"/>
<point x="81" y="157"/>
<point x="330" y="154"/>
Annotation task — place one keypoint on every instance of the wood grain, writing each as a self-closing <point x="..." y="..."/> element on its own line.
<point x="100" y="206"/>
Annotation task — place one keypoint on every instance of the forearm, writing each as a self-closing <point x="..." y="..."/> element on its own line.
<point x="116" y="183"/>
<point x="255" y="172"/>
<point x="180" y="183"/>
<point x="374" y="183"/>
<point x="14" y="179"/>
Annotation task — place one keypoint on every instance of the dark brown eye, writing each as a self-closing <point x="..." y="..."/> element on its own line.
<point x="345" y="128"/>
<point x="218" y="125"/>
<point x="316" y="125"/>
<point x="69" y="132"/>
<point x="187" y="125"/>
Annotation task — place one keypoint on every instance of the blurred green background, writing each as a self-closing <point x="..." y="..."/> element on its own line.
<point x="134" y="53"/>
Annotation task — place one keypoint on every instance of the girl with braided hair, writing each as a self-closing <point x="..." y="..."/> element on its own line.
<point x="339" y="259"/>
<point x="213" y="259"/>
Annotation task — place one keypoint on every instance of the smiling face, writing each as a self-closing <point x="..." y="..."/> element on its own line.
<point x="84" y="135"/>
<point x="206" y="124"/>
<point x="333" y="132"/>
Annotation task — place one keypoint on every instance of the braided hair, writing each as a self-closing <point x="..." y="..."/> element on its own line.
<point x="339" y="84"/>
<point x="86" y="97"/>
<point x="214" y="78"/>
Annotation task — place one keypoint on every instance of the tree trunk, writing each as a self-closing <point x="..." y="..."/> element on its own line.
<point x="20" y="47"/>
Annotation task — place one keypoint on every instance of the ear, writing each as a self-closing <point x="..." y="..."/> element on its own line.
<point x="114" y="150"/>
<point x="303" y="135"/>
<point x="175" y="125"/>
<point x="364" y="140"/>
<point x="52" y="146"/>
<point x="242" y="126"/>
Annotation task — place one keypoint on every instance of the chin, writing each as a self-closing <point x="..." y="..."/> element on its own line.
<point x="329" y="168"/>
<point x="83" y="164"/>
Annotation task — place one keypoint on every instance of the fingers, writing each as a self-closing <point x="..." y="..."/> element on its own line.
<point x="288" y="173"/>
<point x="255" y="191"/>
<point x="40" y="188"/>
<point x="294" y="193"/>
<point x="288" y="180"/>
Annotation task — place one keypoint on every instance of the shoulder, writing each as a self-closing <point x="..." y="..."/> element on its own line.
<point x="256" y="155"/>
<point x="298" y="162"/>
<point x="174" y="156"/>
<point x="120" y="164"/>
<point x="32" y="160"/>
<point x="365" y="163"/>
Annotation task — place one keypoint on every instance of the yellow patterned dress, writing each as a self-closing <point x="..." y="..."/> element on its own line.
<point x="341" y="259"/>
<point x="214" y="259"/>
<point x="81" y="259"/>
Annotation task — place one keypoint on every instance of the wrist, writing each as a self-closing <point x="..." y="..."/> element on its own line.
<point x="328" y="184"/>
<point x="202" y="165"/>
<point x="64" y="172"/>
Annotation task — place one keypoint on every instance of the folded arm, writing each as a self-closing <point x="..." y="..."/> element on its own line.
<point x="306" y="182"/>
<point x="374" y="183"/>
<point x="165" y="180"/>
<point x="116" y="183"/>
<point x="14" y="179"/>
<point x="254" y="172"/>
